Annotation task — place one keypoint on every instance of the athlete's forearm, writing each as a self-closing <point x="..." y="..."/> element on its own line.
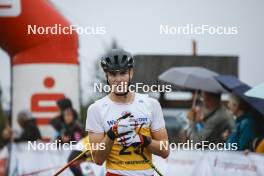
<point x="101" y="154"/>
<point x="156" y="148"/>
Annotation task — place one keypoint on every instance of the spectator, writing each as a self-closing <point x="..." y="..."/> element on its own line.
<point x="63" y="104"/>
<point x="30" y="131"/>
<point x="244" y="132"/>
<point x="258" y="142"/>
<point x="66" y="124"/>
<point x="7" y="134"/>
<point x="210" y="121"/>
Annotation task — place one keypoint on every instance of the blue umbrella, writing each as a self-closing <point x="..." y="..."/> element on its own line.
<point x="234" y="85"/>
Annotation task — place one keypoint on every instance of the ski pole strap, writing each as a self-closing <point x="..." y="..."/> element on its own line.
<point x="145" y="140"/>
<point x="111" y="133"/>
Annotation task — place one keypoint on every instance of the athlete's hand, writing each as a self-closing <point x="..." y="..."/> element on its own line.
<point x="125" y="125"/>
<point x="133" y="139"/>
<point x="122" y="126"/>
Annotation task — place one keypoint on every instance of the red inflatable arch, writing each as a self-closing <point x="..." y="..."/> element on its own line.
<point x="44" y="66"/>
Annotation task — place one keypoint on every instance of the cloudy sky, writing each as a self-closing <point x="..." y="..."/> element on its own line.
<point x="136" y="27"/>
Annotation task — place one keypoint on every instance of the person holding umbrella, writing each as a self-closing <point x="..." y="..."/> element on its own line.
<point x="243" y="108"/>
<point x="208" y="119"/>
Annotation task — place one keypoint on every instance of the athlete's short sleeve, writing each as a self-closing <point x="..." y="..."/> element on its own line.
<point x="157" y="116"/>
<point x="93" y="120"/>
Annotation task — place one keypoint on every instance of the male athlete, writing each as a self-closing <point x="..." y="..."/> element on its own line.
<point x="130" y="125"/>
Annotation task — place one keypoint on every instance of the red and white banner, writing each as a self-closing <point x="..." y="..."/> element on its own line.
<point x="44" y="66"/>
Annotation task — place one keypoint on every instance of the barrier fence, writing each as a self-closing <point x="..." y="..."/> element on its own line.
<point x="25" y="162"/>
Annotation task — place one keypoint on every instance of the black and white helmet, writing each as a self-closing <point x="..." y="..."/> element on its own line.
<point x="117" y="60"/>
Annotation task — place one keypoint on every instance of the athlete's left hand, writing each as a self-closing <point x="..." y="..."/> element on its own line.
<point x="134" y="139"/>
